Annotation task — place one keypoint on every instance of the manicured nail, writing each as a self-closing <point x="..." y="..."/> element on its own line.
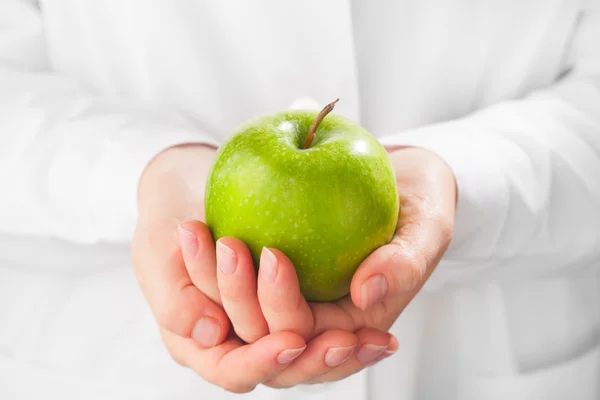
<point x="268" y="265"/>
<point x="206" y="332"/>
<point x="385" y="354"/>
<point x="369" y="352"/>
<point x="188" y="242"/>
<point x="287" y="356"/>
<point x="338" y="355"/>
<point x="373" y="290"/>
<point x="226" y="258"/>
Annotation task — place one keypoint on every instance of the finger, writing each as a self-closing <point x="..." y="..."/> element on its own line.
<point x="323" y="353"/>
<point x="401" y="267"/>
<point x="282" y="304"/>
<point x="237" y="283"/>
<point x="342" y="314"/>
<point x="198" y="250"/>
<point x="371" y="345"/>
<point x="391" y="350"/>
<point x="177" y="304"/>
<point x="234" y="366"/>
<point x="427" y="199"/>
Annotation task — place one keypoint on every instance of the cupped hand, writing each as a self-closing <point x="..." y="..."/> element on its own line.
<point x="278" y="338"/>
<point x="261" y="309"/>
<point x="185" y="298"/>
<point x="196" y="306"/>
<point x="345" y="336"/>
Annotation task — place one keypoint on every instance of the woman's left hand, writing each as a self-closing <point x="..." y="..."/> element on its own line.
<point x="390" y="277"/>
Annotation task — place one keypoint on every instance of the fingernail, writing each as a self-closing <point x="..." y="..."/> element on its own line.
<point x="338" y="355"/>
<point x="385" y="354"/>
<point x="206" y="332"/>
<point x="188" y="242"/>
<point x="268" y="265"/>
<point x="373" y="290"/>
<point x="287" y="356"/>
<point x="226" y="258"/>
<point x="369" y="352"/>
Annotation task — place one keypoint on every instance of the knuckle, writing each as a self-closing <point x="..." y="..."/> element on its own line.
<point x="280" y="303"/>
<point x="379" y="315"/>
<point x="416" y="268"/>
<point x="412" y="266"/>
<point x="178" y="320"/>
<point x="234" y="289"/>
<point x="249" y="336"/>
<point x="233" y="294"/>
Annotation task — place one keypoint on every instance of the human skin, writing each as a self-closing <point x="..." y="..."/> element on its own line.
<point x="199" y="290"/>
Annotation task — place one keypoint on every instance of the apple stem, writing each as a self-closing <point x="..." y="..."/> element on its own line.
<point x="311" y="132"/>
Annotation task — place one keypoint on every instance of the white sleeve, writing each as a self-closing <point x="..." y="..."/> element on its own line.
<point x="528" y="173"/>
<point x="70" y="158"/>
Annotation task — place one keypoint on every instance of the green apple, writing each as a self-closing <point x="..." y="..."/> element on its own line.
<point x="318" y="187"/>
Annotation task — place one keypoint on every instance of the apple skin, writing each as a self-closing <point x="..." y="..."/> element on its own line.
<point x="326" y="207"/>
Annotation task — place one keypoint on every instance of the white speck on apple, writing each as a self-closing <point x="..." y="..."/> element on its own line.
<point x="360" y="146"/>
<point x="286" y="126"/>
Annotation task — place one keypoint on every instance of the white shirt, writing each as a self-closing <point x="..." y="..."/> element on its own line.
<point x="507" y="92"/>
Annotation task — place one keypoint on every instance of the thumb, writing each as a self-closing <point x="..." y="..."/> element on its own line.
<point x="401" y="267"/>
